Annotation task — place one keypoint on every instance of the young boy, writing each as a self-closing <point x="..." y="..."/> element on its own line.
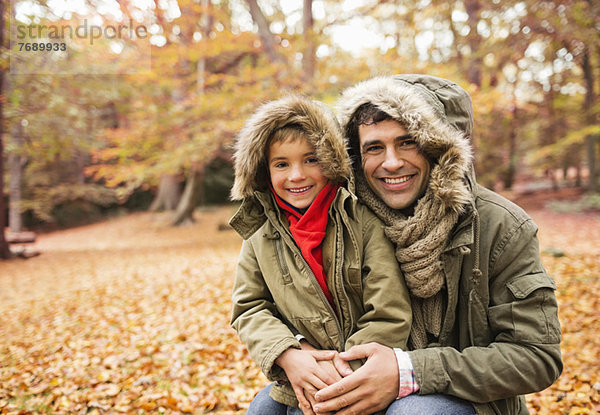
<point x="315" y="268"/>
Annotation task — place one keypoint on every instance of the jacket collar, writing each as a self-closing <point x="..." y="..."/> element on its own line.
<point x="255" y="210"/>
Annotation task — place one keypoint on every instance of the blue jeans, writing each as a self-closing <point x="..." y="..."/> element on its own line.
<point x="263" y="404"/>
<point x="430" y="405"/>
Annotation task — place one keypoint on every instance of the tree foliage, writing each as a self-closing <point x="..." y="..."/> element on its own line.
<point x="531" y="68"/>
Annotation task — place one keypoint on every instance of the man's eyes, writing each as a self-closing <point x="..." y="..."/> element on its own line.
<point x="373" y="149"/>
<point x="409" y="143"/>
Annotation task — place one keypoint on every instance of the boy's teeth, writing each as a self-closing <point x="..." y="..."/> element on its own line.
<point x="300" y="190"/>
<point x="396" y="180"/>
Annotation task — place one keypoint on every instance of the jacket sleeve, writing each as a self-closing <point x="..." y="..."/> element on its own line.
<point x="255" y="316"/>
<point x="387" y="313"/>
<point x="523" y="350"/>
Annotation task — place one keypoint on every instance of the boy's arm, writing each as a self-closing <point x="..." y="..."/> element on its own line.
<point x="270" y="342"/>
<point x="388" y="314"/>
<point x="254" y="316"/>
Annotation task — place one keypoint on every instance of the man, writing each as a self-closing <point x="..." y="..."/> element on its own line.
<point x="485" y="327"/>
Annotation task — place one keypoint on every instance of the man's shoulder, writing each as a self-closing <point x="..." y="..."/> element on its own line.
<point x="493" y="206"/>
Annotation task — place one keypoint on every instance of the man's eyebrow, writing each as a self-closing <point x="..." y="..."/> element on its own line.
<point x="403" y="137"/>
<point x="370" y="142"/>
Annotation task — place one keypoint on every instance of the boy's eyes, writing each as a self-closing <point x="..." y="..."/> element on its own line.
<point x="284" y="164"/>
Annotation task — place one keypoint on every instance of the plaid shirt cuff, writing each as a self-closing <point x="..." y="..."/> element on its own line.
<point x="406" y="374"/>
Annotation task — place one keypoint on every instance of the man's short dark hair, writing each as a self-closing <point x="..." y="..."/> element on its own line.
<point x="365" y="114"/>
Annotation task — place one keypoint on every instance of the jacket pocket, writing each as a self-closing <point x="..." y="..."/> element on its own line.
<point x="479" y="328"/>
<point x="316" y="332"/>
<point x="354" y="280"/>
<point x="535" y="309"/>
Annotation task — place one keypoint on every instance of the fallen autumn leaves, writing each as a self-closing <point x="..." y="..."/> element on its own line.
<point x="131" y="316"/>
<point x="126" y="316"/>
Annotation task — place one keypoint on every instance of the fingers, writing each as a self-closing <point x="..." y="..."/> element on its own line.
<point x="361" y="351"/>
<point x="360" y="408"/>
<point x="302" y="401"/>
<point x="354" y="402"/>
<point x="339" y="402"/>
<point x="323" y="354"/>
<point x="309" y="393"/>
<point x="342" y="367"/>
<point x="306" y="410"/>
<point x="371" y="388"/>
<point x="342" y="387"/>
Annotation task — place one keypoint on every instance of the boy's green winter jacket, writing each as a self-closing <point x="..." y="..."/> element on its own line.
<point x="275" y="295"/>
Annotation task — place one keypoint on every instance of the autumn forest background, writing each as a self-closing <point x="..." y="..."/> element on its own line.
<point x="115" y="167"/>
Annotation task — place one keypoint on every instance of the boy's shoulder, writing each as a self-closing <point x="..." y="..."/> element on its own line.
<point x="251" y="215"/>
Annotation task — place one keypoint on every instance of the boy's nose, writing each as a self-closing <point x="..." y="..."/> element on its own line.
<point x="297" y="173"/>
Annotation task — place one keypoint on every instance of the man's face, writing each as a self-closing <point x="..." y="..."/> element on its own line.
<point x="392" y="164"/>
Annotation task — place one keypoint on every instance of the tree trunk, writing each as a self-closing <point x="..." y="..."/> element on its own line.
<point x="192" y="195"/>
<point x="309" y="57"/>
<point x="264" y="32"/>
<point x="4" y="250"/>
<point x="16" y="163"/>
<point x="474" y="40"/>
<point x="168" y="194"/>
<point x="201" y="67"/>
<point x="591" y="155"/>
<point x="590" y="98"/>
<point x="512" y="149"/>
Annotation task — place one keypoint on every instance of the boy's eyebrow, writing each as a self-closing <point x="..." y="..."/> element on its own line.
<point x="310" y="153"/>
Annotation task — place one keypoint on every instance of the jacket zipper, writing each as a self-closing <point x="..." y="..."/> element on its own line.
<point x="320" y="292"/>
<point x="341" y="273"/>
<point x="284" y="268"/>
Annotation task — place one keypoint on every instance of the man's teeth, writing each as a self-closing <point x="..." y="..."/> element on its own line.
<point x="303" y="189"/>
<point x="396" y="180"/>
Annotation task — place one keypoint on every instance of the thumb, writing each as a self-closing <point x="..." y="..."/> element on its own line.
<point x="322" y="354"/>
<point x="360" y="351"/>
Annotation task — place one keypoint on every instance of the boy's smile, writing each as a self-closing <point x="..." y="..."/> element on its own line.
<point x="295" y="172"/>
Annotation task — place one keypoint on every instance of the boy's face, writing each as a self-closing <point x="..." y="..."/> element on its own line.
<point x="295" y="172"/>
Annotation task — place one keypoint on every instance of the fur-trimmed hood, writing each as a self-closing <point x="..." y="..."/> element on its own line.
<point x="437" y="113"/>
<point x="315" y="118"/>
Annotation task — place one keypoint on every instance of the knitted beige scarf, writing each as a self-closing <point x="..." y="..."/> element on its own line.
<point x="419" y="241"/>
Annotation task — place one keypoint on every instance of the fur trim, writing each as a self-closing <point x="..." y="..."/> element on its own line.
<point x="422" y="113"/>
<point x="320" y="125"/>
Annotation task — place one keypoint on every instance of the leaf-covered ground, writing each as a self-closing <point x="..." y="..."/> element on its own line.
<point x="132" y="316"/>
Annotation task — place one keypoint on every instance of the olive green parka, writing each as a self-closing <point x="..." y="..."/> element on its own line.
<point x="500" y="333"/>
<point x="276" y="296"/>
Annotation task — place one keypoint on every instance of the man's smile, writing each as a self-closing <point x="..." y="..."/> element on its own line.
<point x="396" y="180"/>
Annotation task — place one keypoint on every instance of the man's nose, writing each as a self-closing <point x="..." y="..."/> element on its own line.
<point x="392" y="160"/>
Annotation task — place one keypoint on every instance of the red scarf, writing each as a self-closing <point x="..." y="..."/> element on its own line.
<point x="308" y="230"/>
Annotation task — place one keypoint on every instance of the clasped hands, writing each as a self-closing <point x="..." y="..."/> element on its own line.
<point x="324" y="382"/>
